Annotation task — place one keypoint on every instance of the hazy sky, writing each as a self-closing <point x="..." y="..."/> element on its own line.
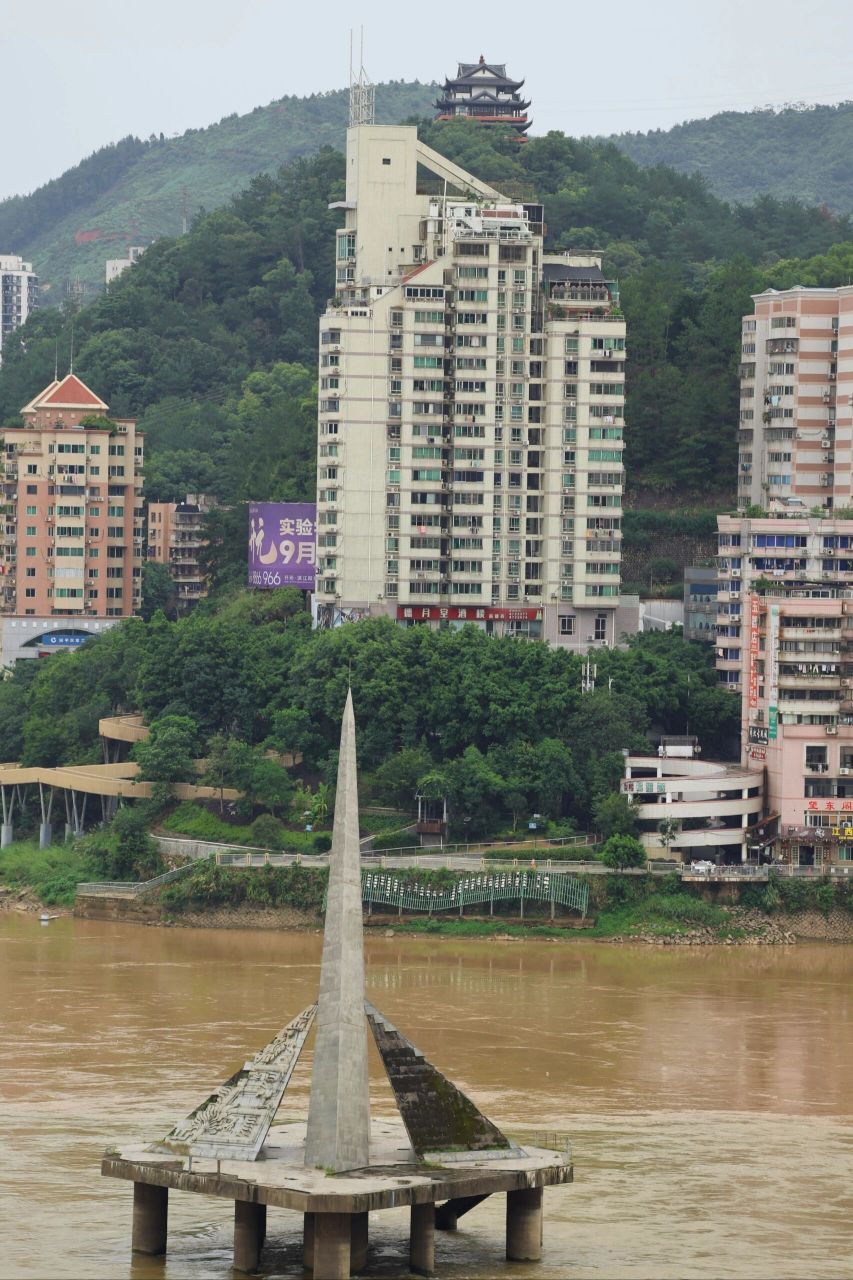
<point x="77" y="76"/>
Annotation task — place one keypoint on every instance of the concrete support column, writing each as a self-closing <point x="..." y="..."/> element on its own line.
<point x="7" y="834"/>
<point x="150" y="1218"/>
<point x="308" y="1241"/>
<point x="45" y="835"/>
<point x="358" y="1241"/>
<point x="332" y="1236"/>
<point x="422" y="1239"/>
<point x="524" y="1225"/>
<point x="249" y="1226"/>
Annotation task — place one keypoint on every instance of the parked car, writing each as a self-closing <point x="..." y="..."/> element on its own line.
<point x="703" y="867"/>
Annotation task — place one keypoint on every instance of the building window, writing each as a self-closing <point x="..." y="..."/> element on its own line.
<point x="600" y="632"/>
<point x="567" y="625"/>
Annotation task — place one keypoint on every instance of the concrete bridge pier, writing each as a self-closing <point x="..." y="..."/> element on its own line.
<point x="332" y="1246"/>
<point x="524" y="1225"/>
<point x="45" y="834"/>
<point x="7" y="835"/>
<point x="250" y="1224"/>
<point x="358" y="1241"/>
<point x="308" y="1241"/>
<point x="150" y="1218"/>
<point x="422" y="1239"/>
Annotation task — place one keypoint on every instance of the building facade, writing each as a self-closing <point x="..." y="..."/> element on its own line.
<point x="785" y="644"/>
<point x="176" y="538"/>
<point x="796" y="416"/>
<point x="691" y="809"/>
<point x="115" y="266"/>
<point x="72" y="489"/>
<point x="31" y="637"/>
<point x="19" y="292"/>
<point x="484" y="92"/>
<point x="700" y="603"/>
<point x="471" y="410"/>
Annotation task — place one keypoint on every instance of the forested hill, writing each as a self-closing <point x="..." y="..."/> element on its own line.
<point x="802" y="152"/>
<point x="211" y="338"/>
<point x="136" y="191"/>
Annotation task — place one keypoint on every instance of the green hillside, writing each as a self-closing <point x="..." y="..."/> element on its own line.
<point x="800" y="152"/>
<point x="134" y="191"/>
<point x="211" y="339"/>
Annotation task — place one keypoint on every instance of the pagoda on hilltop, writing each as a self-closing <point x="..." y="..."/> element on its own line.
<point x="483" y="91"/>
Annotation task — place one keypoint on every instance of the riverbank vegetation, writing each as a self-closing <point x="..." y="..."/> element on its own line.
<point x="499" y="727"/>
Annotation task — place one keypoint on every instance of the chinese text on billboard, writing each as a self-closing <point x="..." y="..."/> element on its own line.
<point x="282" y="544"/>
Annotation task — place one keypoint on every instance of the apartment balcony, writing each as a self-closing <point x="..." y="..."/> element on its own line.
<point x="800" y="681"/>
<point x="830" y="635"/>
<point x="728" y="664"/>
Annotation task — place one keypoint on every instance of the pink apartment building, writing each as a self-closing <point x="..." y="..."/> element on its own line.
<point x="72" y="494"/>
<point x="785" y="568"/>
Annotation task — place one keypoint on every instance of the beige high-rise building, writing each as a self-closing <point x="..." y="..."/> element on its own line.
<point x="19" y="294"/>
<point x="176" y="538"/>
<point x="471" y="410"/>
<point x="72" y="492"/>
<point x="796" y="419"/>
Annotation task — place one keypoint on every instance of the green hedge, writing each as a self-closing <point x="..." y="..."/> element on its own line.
<point x="200" y="824"/>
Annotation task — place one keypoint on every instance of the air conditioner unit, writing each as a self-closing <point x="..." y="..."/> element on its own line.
<point x="831" y="729"/>
<point x="735" y="573"/>
<point x="826" y="444"/>
<point x="832" y="377"/>
<point x="845" y="684"/>
<point x="845" y="773"/>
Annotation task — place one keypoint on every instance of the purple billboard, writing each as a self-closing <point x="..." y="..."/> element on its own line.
<point x="282" y="544"/>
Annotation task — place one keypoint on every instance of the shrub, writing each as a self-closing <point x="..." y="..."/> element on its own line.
<point x="267" y="832"/>
<point x="825" y="897"/>
<point x="620" y="852"/>
<point x="322" y="842"/>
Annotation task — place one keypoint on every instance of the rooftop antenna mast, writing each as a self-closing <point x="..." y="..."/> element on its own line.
<point x="362" y="92"/>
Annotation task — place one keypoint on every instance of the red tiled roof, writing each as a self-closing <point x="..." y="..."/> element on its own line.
<point x="416" y="271"/>
<point x="71" y="392"/>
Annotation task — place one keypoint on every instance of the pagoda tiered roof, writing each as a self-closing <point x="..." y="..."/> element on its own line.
<point x="483" y="91"/>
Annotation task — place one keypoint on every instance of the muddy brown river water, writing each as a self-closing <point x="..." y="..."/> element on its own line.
<point x="708" y="1093"/>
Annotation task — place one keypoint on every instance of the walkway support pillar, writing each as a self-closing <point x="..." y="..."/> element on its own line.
<point x="308" y="1241"/>
<point x="150" y="1218"/>
<point x="249" y="1224"/>
<point x="359" y="1240"/>
<point x="524" y="1225"/>
<point x="45" y="834"/>
<point x="332" y="1247"/>
<point x="7" y="835"/>
<point x="422" y="1239"/>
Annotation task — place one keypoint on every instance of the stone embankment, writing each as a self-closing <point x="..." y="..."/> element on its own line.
<point x="753" y="928"/>
<point x="24" y="901"/>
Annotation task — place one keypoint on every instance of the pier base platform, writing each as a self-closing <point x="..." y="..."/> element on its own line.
<point x="336" y="1207"/>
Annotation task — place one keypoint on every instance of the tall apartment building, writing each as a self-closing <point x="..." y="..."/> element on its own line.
<point x="785" y="580"/>
<point x="796" y="417"/>
<point x="785" y="643"/>
<point x="19" y="291"/>
<point x="72" y="493"/>
<point x="471" y="410"/>
<point x="176" y="539"/>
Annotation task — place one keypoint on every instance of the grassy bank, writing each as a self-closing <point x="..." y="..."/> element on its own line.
<point x="52" y="874"/>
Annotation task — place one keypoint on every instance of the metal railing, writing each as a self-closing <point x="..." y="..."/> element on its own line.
<point x="389" y="890"/>
<point x="131" y="888"/>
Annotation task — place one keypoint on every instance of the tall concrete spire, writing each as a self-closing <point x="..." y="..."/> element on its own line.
<point x="339" y="1112"/>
